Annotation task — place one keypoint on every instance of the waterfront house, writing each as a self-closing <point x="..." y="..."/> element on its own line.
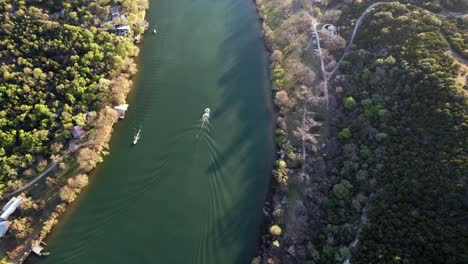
<point x="3" y="228"/>
<point x="77" y="132"/>
<point x="122" y="30"/>
<point x="10" y="207"/>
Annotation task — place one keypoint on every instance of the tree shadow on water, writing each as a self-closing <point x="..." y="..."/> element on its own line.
<point x="246" y="94"/>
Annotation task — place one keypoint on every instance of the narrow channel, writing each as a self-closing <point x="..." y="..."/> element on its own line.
<point x="185" y="193"/>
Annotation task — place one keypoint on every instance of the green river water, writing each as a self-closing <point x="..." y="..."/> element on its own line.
<point x="183" y="194"/>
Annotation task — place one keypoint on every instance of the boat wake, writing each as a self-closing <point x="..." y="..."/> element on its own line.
<point x="205" y="119"/>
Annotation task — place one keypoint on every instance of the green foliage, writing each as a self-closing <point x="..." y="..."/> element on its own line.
<point x="277" y="75"/>
<point x="456" y="32"/>
<point x="21" y="227"/>
<point x="345" y="134"/>
<point x="343" y="189"/>
<point x="281" y="137"/>
<point x="406" y="158"/>
<point x="438" y="5"/>
<point x="364" y="153"/>
<point x="281" y="172"/>
<point x="349" y="102"/>
<point x="51" y="73"/>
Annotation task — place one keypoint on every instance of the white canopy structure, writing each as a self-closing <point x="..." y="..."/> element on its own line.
<point x="10" y="207"/>
<point x="124" y="28"/>
<point x="3" y="228"/>
<point x="121" y="109"/>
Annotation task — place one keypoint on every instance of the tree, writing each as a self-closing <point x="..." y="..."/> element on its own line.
<point x="67" y="194"/>
<point x="281" y="173"/>
<point x="349" y="102"/>
<point x="81" y="180"/>
<point x="88" y="158"/>
<point x="277" y="56"/>
<point x="21" y="227"/>
<point x="345" y="134"/>
<point x="342" y="189"/>
<point x="282" y="99"/>
<point x="27" y="204"/>
<point x="275" y="230"/>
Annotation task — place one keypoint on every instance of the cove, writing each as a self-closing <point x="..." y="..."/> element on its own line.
<point x="185" y="193"/>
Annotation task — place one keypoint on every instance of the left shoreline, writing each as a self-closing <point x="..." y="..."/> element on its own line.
<point x="82" y="156"/>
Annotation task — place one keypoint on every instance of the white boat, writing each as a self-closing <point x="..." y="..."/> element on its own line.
<point x="136" y="137"/>
<point x="206" y="115"/>
<point x="155" y="31"/>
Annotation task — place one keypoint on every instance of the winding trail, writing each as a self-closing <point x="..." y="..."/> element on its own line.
<point x="362" y="222"/>
<point x="356" y="27"/>
<point x="449" y="14"/>
<point x="457" y="56"/>
<point x="443" y="14"/>
<point x="328" y="75"/>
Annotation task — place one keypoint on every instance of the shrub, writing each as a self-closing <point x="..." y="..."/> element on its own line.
<point x="275" y="230"/>
<point x="345" y="134"/>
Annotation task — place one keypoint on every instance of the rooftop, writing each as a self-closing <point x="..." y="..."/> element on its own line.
<point x="10" y="207"/>
<point x="3" y="228"/>
<point x="77" y="132"/>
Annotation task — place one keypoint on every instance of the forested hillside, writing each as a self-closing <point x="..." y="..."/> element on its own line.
<point x="438" y="5"/>
<point x="63" y="66"/>
<point x="56" y="71"/>
<point x="401" y="164"/>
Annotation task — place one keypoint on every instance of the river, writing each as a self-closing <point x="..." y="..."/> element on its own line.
<point x="183" y="194"/>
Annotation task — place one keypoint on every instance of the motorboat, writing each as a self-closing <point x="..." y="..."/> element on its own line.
<point x="206" y="114"/>
<point x="155" y="31"/>
<point x="136" y="137"/>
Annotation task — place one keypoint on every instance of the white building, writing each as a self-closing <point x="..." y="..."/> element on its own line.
<point x="121" y="109"/>
<point x="115" y="12"/>
<point x="10" y="207"/>
<point x="331" y="29"/>
<point x="3" y="228"/>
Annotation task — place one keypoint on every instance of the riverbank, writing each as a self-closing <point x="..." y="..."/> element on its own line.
<point x="45" y="200"/>
<point x="301" y="133"/>
<point x="332" y="207"/>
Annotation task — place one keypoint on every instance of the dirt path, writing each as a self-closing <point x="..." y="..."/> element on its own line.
<point x="457" y="56"/>
<point x="448" y="14"/>
<point x="356" y="27"/>
<point x="45" y="172"/>
<point x="27" y="185"/>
